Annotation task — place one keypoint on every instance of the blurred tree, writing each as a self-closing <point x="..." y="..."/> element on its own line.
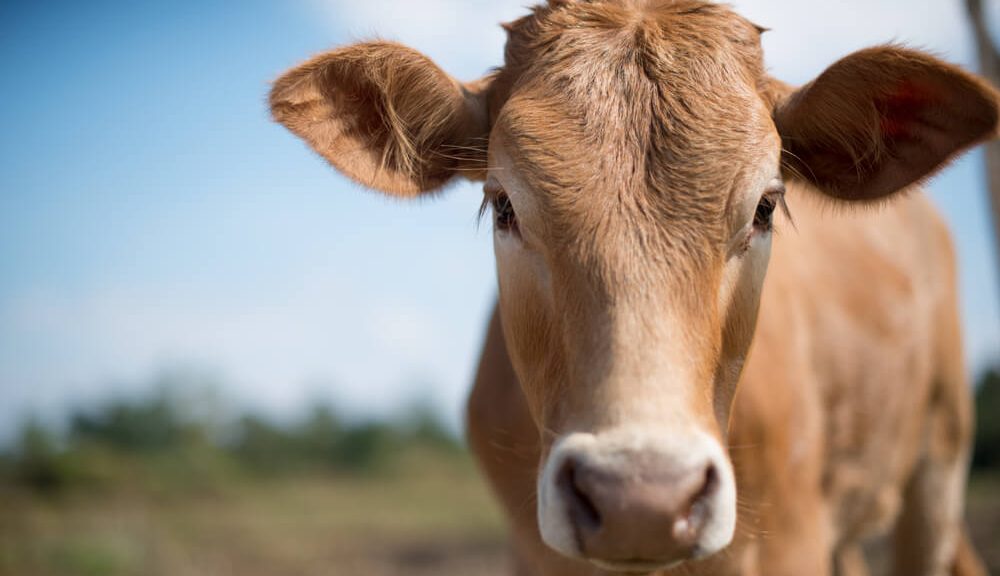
<point x="263" y="447"/>
<point x="320" y="433"/>
<point x="164" y="442"/>
<point x="987" y="450"/>
<point x="368" y="447"/>
<point x="989" y="64"/>
<point x="132" y="426"/>
<point x="37" y="461"/>
<point x="426" y="427"/>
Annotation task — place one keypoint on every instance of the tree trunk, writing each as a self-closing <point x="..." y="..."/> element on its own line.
<point x="989" y="64"/>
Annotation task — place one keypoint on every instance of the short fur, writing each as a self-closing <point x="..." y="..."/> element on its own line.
<point x="637" y="129"/>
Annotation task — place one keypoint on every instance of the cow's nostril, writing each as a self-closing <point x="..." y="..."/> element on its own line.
<point x="641" y="508"/>
<point x="583" y="513"/>
<point x="688" y="525"/>
<point x="711" y="483"/>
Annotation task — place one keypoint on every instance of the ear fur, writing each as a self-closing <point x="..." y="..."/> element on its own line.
<point x="386" y="116"/>
<point x="882" y="119"/>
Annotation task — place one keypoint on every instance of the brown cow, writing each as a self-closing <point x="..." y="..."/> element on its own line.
<point x="637" y="159"/>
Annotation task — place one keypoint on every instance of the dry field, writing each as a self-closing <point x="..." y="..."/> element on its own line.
<point x="436" y="518"/>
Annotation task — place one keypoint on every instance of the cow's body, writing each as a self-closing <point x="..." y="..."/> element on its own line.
<point x="635" y="156"/>
<point x="854" y="387"/>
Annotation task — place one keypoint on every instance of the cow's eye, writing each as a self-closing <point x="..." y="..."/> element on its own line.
<point x="763" y="217"/>
<point x="503" y="212"/>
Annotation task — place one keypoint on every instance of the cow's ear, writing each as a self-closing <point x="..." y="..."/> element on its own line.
<point x="386" y="116"/>
<point x="880" y="120"/>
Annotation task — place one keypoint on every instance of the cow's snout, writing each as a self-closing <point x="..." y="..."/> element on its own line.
<point x="653" y="511"/>
<point x="635" y="502"/>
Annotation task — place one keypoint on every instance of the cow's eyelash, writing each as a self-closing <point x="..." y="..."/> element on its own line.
<point x="483" y="208"/>
<point x="504" y="215"/>
<point x="489" y="195"/>
<point x="769" y="203"/>
<point x="783" y="206"/>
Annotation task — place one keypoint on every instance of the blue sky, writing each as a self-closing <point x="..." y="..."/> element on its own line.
<point x="151" y="215"/>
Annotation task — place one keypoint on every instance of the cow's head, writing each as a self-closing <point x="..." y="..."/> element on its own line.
<point x="634" y="155"/>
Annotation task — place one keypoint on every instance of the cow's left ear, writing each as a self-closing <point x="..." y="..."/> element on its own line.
<point x="882" y="119"/>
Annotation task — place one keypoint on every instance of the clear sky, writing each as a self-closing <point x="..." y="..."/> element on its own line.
<point x="151" y="215"/>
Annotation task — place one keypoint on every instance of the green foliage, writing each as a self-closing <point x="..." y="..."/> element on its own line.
<point x="164" y="445"/>
<point x="133" y="426"/>
<point x="322" y="441"/>
<point x="262" y="446"/>
<point x="368" y="447"/>
<point x="426" y="428"/>
<point x="38" y="462"/>
<point x="987" y="450"/>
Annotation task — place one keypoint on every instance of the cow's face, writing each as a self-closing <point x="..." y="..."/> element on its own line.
<point x="633" y="173"/>
<point x="633" y="157"/>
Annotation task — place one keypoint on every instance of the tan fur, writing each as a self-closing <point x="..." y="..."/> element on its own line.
<point x="635" y="139"/>
<point x="403" y="141"/>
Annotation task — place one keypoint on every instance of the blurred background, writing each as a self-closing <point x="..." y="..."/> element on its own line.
<point x="217" y="356"/>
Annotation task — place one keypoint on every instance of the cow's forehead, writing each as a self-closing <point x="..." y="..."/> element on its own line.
<point x="667" y="39"/>
<point x="653" y="102"/>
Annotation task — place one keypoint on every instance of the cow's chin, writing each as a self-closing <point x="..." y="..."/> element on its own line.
<point x="637" y="567"/>
<point x="634" y="501"/>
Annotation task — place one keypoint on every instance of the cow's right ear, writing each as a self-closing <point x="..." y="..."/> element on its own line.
<point x="386" y="116"/>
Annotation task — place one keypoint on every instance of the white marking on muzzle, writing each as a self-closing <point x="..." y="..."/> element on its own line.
<point x="615" y="450"/>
